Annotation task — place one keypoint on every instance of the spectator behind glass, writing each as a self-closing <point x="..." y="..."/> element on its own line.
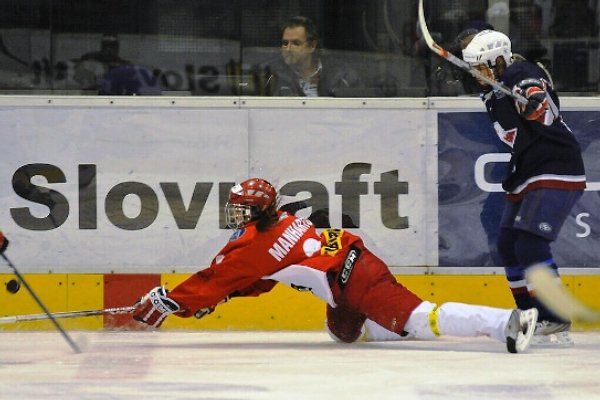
<point x="108" y="53"/>
<point x="107" y="72"/>
<point x="130" y="80"/>
<point x="301" y="71"/>
<point x="446" y="79"/>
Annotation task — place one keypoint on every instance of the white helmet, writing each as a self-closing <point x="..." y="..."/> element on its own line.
<point x="486" y="46"/>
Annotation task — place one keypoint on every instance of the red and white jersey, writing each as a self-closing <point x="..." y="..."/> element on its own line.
<point x="252" y="262"/>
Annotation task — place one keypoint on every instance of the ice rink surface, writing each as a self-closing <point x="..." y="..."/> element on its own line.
<point x="288" y="365"/>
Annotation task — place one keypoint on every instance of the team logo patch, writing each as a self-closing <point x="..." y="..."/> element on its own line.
<point x="508" y="136"/>
<point x="237" y="234"/>
<point x="333" y="241"/>
<point x="545" y="227"/>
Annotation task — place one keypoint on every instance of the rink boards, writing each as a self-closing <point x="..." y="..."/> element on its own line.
<point x="281" y="309"/>
<point x="132" y="191"/>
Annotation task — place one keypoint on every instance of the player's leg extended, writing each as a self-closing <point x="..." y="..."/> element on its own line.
<point x="400" y="313"/>
<point x="429" y="321"/>
<point x="394" y="312"/>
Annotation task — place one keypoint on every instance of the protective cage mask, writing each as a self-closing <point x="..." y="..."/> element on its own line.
<point x="238" y="215"/>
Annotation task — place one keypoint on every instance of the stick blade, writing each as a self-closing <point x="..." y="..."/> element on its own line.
<point x="549" y="290"/>
<point x="459" y="62"/>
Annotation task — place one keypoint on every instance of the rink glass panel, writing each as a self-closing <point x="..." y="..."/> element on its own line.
<point x="217" y="48"/>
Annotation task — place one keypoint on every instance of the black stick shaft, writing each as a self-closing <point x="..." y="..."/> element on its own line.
<point x="64" y="334"/>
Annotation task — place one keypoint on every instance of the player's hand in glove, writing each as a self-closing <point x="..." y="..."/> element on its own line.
<point x="3" y="242"/>
<point x="154" y="307"/>
<point x="534" y="90"/>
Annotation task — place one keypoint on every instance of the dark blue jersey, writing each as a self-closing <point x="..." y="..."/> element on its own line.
<point x="545" y="154"/>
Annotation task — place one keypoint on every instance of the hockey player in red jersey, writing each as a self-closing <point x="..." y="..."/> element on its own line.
<point x="363" y="298"/>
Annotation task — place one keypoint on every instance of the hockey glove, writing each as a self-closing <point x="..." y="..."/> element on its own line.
<point x="534" y="90"/>
<point x="154" y="307"/>
<point x="3" y="242"/>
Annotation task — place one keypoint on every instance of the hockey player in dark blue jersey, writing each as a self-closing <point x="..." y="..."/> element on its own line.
<point x="545" y="175"/>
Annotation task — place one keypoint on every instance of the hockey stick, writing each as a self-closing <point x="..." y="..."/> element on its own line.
<point x="64" y="334"/>
<point x="440" y="51"/>
<point x="67" y="314"/>
<point x="549" y="290"/>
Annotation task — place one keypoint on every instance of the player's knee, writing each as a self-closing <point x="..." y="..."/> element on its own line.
<point x="506" y="246"/>
<point x="344" y="325"/>
<point x="344" y="333"/>
<point x="531" y="249"/>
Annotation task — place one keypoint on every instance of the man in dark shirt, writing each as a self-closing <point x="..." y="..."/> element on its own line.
<point x="301" y="72"/>
<point x="545" y="175"/>
<point x="108" y="53"/>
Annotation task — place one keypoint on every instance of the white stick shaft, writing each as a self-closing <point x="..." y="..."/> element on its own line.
<point x="67" y="314"/>
<point x="461" y="63"/>
<point x="551" y="292"/>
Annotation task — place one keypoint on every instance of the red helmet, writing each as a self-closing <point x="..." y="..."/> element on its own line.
<point x="247" y="200"/>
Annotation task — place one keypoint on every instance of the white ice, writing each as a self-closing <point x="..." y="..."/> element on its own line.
<point x="288" y="365"/>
